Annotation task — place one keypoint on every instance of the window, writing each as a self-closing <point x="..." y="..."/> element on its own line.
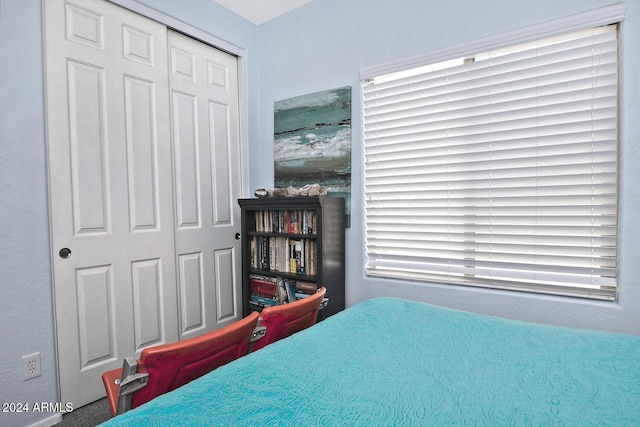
<point x="498" y="169"/>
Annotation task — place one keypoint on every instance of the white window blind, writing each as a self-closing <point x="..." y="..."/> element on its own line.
<point x="498" y="170"/>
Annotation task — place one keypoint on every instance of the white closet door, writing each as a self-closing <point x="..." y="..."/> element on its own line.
<point x="204" y="117"/>
<point x="111" y="198"/>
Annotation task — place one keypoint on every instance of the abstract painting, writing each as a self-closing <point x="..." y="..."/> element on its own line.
<point x="313" y="142"/>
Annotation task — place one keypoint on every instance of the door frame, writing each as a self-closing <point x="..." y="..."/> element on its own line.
<point x="218" y="43"/>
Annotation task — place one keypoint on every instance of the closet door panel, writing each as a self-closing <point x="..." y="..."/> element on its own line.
<point x="111" y="198"/>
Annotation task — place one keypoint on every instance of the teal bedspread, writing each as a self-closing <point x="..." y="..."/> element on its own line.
<point x="391" y="362"/>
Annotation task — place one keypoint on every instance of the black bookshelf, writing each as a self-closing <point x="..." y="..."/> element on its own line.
<point x="314" y="226"/>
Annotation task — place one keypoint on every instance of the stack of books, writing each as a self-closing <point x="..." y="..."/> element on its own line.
<point x="267" y="291"/>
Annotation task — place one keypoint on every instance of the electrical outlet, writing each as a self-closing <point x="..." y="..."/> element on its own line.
<point x="31" y="366"/>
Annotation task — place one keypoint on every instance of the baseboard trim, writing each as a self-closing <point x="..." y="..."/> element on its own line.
<point x="48" y="422"/>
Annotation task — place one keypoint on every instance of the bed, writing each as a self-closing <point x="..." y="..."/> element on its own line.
<point x="392" y="362"/>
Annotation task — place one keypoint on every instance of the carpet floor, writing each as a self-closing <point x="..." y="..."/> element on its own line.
<point x="87" y="416"/>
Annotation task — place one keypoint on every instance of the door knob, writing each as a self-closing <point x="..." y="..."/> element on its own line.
<point x="237" y="236"/>
<point x="64" y="253"/>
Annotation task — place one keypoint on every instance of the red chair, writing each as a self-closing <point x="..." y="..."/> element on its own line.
<point x="166" y="367"/>
<point x="280" y="321"/>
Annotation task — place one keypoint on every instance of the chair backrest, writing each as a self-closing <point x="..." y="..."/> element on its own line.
<point x="287" y="319"/>
<point x="172" y="365"/>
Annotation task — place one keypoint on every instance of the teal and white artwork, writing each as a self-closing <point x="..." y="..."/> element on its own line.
<point x="313" y="142"/>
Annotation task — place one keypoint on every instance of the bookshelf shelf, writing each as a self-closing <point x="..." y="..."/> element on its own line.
<point x="293" y="243"/>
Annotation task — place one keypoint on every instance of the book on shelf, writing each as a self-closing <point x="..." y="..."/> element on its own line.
<point x="262" y="301"/>
<point x="305" y="287"/>
<point x="290" y="286"/>
<point x="295" y="252"/>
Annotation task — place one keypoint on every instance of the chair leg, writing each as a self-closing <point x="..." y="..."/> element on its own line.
<point x="130" y="383"/>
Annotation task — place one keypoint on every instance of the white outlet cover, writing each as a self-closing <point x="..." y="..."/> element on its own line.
<point x="31" y="366"/>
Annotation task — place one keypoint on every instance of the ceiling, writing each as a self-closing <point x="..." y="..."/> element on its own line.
<point x="259" y="11"/>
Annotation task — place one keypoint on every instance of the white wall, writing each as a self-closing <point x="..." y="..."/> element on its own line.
<point x="26" y="308"/>
<point x="25" y="287"/>
<point x="325" y="44"/>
